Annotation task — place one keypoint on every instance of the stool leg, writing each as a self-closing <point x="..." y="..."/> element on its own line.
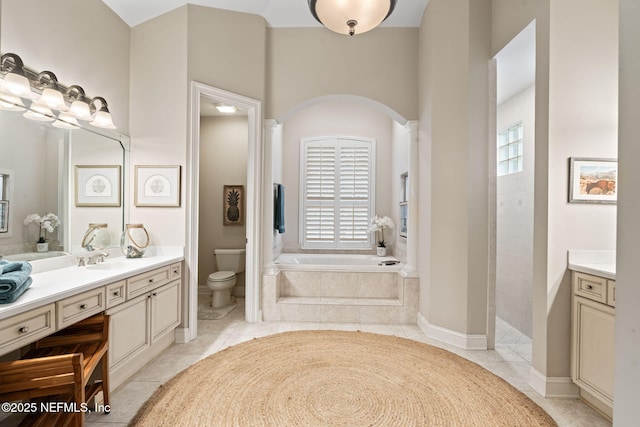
<point x="105" y="380"/>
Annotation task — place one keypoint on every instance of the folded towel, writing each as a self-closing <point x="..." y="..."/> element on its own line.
<point x="9" y="297"/>
<point x="13" y="275"/>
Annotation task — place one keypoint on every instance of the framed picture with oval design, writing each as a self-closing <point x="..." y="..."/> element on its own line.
<point x="157" y="186"/>
<point x="98" y="185"/>
<point x="233" y="205"/>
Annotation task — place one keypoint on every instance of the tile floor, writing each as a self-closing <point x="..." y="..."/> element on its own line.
<point x="511" y="360"/>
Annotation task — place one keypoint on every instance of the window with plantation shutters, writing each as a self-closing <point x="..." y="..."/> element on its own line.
<point x="337" y="192"/>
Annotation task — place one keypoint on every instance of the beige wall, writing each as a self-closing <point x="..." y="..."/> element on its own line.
<point x="159" y="99"/>
<point x="82" y="41"/>
<point x="627" y="381"/>
<point x="223" y="161"/>
<point x="453" y="148"/>
<point x="583" y="118"/>
<point x="306" y="63"/>
<point x="227" y="50"/>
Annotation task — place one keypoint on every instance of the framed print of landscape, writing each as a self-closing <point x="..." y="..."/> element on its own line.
<point x="593" y="180"/>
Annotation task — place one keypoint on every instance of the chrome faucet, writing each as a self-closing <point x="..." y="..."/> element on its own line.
<point x="97" y="257"/>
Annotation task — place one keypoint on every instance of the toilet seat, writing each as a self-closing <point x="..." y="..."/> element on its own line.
<point x="221" y="276"/>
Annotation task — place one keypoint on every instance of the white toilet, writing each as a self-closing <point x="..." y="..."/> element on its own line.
<point x="228" y="262"/>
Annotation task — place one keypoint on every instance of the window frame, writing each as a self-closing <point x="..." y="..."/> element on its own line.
<point x="518" y="143"/>
<point x="336" y="243"/>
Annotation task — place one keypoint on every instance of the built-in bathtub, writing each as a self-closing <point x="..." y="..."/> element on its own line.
<point x="336" y="262"/>
<point x="339" y="288"/>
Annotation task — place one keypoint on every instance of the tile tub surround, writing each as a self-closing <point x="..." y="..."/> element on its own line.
<point x="340" y="296"/>
<point x="60" y="277"/>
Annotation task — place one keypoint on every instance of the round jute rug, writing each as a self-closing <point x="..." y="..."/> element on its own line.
<point x="336" y="378"/>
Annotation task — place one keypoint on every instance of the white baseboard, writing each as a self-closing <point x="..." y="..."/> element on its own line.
<point x="552" y="386"/>
<point x="458" y="339"/>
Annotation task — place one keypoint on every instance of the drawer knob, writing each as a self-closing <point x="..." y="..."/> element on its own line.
<point x="589" y="287"/>
<point x="116" y="293"/>
<point x="83" y="306"/>
<point x="24" y="329"/>
<point x="175" y="271"/>
<point x="154" y="294"/>
<point x="150" y="280"/>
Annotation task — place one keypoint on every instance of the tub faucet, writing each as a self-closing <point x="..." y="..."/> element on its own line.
<point x="97" y="257"/>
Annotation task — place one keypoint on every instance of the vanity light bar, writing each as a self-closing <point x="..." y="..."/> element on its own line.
<point x="48" y="95"/>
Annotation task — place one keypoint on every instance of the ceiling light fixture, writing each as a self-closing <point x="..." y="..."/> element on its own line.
<point x="351" y="16"/>
<point x="70" y="103"/>
<point x="229" y="109"/>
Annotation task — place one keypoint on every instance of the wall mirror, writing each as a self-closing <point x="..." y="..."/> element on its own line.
<point x="38" y="164"/>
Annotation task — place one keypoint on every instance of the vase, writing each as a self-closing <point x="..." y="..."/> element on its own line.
<point x="381" y="250"/>
<point x="134" y="240"/>
<point x="42" y="247"/>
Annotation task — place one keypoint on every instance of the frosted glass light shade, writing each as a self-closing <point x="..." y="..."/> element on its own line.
<point x="334" y="14"/>
<point x="39" y="113"/>
<point x="16" y="84"/>
<point x="53" y="99"/>
<point x="66" y="121"/>
<point x="80" y="110"/>
<point x="103" y="119"/>
<point x="11" y="102"/>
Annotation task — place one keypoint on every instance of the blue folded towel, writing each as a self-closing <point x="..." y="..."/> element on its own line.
<point x="13" y="275"/>
<point x="9" y="297"/>
<point x="278" y="222"/>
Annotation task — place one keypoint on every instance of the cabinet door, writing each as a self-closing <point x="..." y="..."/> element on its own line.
<point x="593" y="348"/>
<point x="128" y="330"/>
<point x="165" y="309"/>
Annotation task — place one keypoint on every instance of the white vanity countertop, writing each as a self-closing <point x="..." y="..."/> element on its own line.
<point x="58" y="278"/>
<point x="598" y="263"/>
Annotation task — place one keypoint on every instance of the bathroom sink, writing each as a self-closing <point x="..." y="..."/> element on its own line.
<point x="115" y="265"/>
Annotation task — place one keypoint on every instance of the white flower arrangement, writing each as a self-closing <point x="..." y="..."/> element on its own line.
<point x="48" y="223"/>
<point x="379" y="224"/>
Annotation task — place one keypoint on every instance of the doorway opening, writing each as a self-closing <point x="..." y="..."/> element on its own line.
<point x="201" y="94"/>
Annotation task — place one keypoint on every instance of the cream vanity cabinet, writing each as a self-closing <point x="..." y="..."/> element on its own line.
<point x="143" y="326"/>
<point x="593" y="331"/>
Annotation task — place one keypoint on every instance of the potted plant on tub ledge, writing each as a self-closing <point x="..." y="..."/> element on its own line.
<point x="378" y="224"/>
<point x="48" y="223"/>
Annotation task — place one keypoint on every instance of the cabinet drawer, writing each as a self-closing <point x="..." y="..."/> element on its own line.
<point x="176" y="271"/>
<point x="611" y="293"/>
<point x="22" y="329"/>
<point x="591" y="287"/>
<point x="73" y="309"/>
<point x="116" y="293"/>
<point x="142" y="283"/>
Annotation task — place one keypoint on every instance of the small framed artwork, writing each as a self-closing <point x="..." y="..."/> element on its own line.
<point x="592" y="180"/>
<point x="233" y="205"/>
<point x="4" y="216"/>
<point x="98" y="185"/>
<point x="157" y="186"/>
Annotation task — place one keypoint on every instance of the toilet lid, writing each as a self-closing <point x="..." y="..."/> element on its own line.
<point x="220" y="276"/>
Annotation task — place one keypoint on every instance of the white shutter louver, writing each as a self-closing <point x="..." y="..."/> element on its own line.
<point x="337" y="192"/>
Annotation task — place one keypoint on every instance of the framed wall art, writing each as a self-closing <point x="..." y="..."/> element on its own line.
<point x="98" y="185"/>
<point x="233" y="204"/>
<point x="157" y="186"/>
<point x="593" y="180"/>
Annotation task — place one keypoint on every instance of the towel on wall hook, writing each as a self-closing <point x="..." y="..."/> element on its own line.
<point x="278" y="208"/>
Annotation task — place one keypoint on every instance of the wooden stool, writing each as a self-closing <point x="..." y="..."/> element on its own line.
<point x="61" y="366"/>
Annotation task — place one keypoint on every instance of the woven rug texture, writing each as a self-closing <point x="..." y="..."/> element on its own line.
<point x="337" y="378"/>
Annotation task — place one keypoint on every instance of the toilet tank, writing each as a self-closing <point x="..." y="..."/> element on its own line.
<point x="230" y="259"/>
